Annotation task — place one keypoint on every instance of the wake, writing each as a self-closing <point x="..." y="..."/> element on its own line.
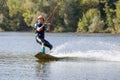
<point x="89" y="51"/>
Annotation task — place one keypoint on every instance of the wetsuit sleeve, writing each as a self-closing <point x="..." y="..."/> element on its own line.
<point x="36" y="25"/>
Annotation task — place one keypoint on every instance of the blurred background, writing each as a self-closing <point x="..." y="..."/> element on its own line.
<point x="94" y="16"/>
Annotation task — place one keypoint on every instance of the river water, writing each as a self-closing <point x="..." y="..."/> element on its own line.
<point x="91" y="57"/>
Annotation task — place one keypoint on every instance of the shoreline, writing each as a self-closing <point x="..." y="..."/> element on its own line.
<point x="61" y="32"/>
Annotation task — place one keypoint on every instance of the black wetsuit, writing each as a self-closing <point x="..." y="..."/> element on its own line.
<point x="40" y="36"/>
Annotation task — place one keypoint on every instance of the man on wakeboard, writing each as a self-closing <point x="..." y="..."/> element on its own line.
<point x="41" y="27"/>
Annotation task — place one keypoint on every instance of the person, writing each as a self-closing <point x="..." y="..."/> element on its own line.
<point x="41" y="27"/>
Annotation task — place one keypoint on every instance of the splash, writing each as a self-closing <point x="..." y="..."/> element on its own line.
<point x="89" y="50"/>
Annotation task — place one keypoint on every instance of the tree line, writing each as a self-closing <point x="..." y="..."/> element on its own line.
<point x="94" y="16"/>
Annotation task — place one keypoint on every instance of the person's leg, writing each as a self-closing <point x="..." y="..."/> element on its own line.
<point x="46" y="43"/>
<point x="38" y="40"/>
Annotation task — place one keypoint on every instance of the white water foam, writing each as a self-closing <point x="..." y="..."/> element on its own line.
<point x="94" y="50"/>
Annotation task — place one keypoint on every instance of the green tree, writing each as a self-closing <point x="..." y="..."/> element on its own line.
<point x="4" y="17"/>
<point x="107" y="9"/>
<point x="116" y="20"/>
<point x="66" y="15"/>
<point x="109" y="16"/>
<point x="90" y="22"/>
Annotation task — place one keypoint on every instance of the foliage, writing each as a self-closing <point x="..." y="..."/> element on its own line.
<point x="116" y="20"/>
<point x="97" y="25"/>
<point x="70" y="15"/>
<point x="90" y="22"/>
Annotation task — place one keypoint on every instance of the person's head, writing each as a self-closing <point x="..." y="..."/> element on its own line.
<point x="40" y="19"/>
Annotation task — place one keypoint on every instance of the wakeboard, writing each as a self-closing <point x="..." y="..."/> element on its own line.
<point x="45" y="57"/>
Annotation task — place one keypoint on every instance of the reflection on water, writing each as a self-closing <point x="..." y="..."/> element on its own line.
<point x="78" y="71"/>
<point x="98" y="57"/>
<point x="43" y="71"/>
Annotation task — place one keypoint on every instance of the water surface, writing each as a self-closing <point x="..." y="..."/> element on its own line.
<point x="92" y="57"/>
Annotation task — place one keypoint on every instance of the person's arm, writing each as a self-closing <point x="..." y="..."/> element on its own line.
<point x="39" y="28"/>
